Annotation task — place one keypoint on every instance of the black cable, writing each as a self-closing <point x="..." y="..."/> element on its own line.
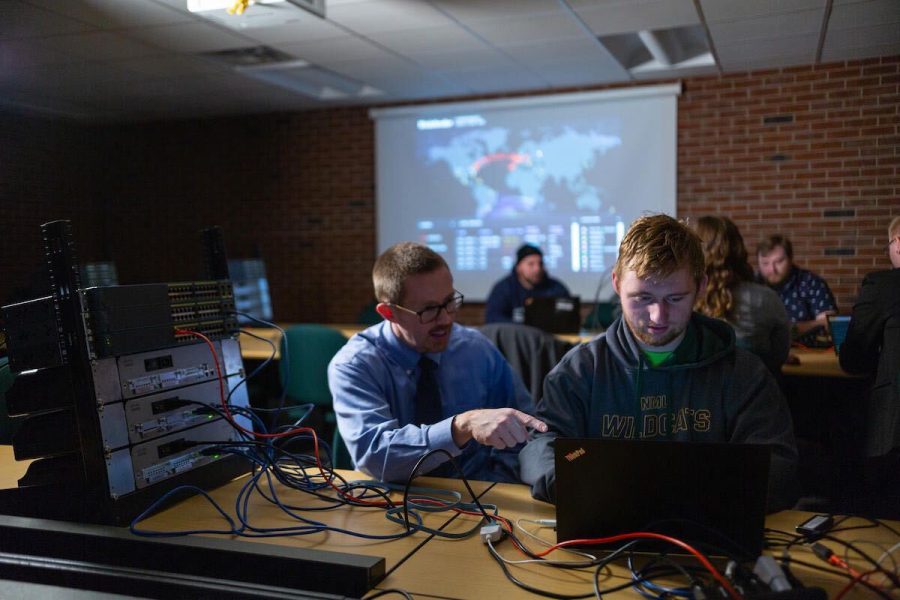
<point x="608" y="559"/>
<point x="381" y="593"/>
<point x="459" y="472"/>
<point x="850" y="546"/>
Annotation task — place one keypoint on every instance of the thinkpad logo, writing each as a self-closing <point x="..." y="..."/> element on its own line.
<point x="570" y="456"/>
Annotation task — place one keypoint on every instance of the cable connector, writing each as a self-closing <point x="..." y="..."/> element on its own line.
<point x="822" y="551"/>
<point x="546" y="522"/>
<point x="770" y="573"/>
<point x="491" y="533"/>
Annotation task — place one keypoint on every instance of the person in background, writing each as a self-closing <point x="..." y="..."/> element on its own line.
<point x="418" y="382"/>
<point x="662" y="371"/>
<point x="529" y="279"/>
<point x="756" y="313"/>
<point x="872" y="347"/>
<point x="805" y="295"/>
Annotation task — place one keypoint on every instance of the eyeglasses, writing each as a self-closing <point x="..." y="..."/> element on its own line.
<point x="431" y="313"/>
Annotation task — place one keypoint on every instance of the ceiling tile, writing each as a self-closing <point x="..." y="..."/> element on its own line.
<point x="462" y="59"/>
<point x="100" y="45"/>
<point x="573" y="72"/>
<point x="626" y="16"/>
<point x="20" y="20"/>
<point x="190" y="37"/>
<point x="468" y="11"/>
<point x="427" y="39"/>
<point x="716" y="11"/>
<point x="532" y="28"/>
<point x="863" y="36"/>
<point x="831" y="54"/>
<point x="788" y="47"/>
<point x="335" y="49"/>
<point x="17" y="55"/>
<point x="863" y="14"/>
<point x="117" y="14"/>
<point x="386" y="15"/>
<point x="584" y="50"/>
<point x="170" y="65"/>
<point x="496" y="79"/>
<point x="762" y="28"/>
<point x="305" y="27"/>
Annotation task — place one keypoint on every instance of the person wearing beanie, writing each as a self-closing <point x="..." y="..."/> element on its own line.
<point x="506" y="302"/>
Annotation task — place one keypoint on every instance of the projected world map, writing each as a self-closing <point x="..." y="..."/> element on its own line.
<point x="508" y="178"/>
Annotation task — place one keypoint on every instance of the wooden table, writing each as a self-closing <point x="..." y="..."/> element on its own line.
<point x="815" y="363"/>
<point x="425" y="572"/>
<point x="434" y="567"/>
<point x="255" y="349"/>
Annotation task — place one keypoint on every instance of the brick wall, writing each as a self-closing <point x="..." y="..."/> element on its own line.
<point x="808" y="151"/>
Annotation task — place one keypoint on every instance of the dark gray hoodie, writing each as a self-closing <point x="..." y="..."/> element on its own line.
<point x="708" y="391"/>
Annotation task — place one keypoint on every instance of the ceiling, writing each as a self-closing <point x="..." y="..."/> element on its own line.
<point x="126" y="60"/>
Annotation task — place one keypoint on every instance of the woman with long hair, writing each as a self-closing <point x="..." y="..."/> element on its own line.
<point x="756" y="313"/>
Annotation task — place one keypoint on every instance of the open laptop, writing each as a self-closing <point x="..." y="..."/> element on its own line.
<point x="554" y="314"/>
<point x="710" y="494"/>
<point x="838" y="326"/>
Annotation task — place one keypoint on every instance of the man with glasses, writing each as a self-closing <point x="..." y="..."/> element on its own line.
<point x="872" y="347"/>
<point x="417" y="382"/>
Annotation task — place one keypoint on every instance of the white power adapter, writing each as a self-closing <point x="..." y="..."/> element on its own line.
<point x="491" y="533"/>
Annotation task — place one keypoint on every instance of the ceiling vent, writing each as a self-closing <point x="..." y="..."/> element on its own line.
<point x="662" y="50"/>
<point x="278" y="68"/>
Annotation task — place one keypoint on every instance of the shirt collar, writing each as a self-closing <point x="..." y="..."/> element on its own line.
<point x="406" y="357"/>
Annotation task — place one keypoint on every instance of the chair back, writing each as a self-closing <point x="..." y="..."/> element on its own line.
<point x="531" y="352"/>
<point x="310" y="348"/>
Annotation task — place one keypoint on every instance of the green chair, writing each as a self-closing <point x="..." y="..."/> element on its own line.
<point x="310" y="349"/>
<point x="7" y="377"/>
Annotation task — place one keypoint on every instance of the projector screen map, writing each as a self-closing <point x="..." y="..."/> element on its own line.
<point x="508" y="178"/>
<point x="566" y="173"/>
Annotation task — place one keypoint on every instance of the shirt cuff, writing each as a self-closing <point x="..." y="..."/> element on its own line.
<point x="441" y="437"/>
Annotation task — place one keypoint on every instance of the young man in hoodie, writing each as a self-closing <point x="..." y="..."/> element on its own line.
<point x="662" y="371"/>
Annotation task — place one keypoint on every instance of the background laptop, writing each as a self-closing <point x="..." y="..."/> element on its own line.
<point x="556" y="315"/>
<point x="838" y="325"/>
<point x="606" y="487"/>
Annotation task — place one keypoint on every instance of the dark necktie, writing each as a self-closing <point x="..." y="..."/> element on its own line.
<point x="428" y="395"/>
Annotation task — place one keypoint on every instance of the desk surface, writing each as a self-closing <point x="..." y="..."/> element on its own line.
<point x="815" y="363"/>
<point x="462" y="569"/>
<point x="256" y="349"/>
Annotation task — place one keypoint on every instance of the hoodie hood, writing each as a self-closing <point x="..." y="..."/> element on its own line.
<point x="706" y="340"/>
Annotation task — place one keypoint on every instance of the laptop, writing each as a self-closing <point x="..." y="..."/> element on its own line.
<point x="554" y="314"/>
<point x="709" y="494"/>
<point x="838" y="326"/>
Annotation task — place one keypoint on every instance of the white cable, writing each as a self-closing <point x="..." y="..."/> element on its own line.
<point x="543" y="542"/>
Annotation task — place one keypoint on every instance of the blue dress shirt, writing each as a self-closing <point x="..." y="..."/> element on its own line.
<point x="373" y="382"/>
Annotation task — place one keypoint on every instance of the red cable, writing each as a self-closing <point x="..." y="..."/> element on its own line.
<point x="837" y="561"/>
<point x="856" y="579"/>
<point x="290" y="432"/>
<point x="649" y="535"/>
